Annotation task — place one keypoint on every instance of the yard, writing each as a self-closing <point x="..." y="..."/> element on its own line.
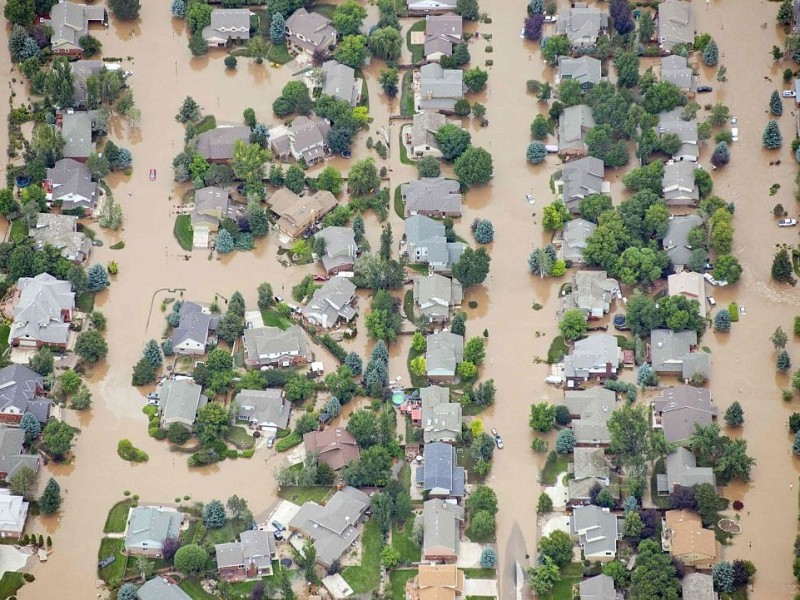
<point x="10" y="584"/>
<point x="558" y="348"/>
<point x="407" y="95"/>
<point x="552" y="468"/>
<point x="183" y="231"/>
<point x="570" y="576"/>
<point x="118" y="516"/>
<point x="272" y="318"/>
<point x="417" y="381"/>
<point x="114" y="571"/>
<point x="404" y="156"/>
<point x="278" y="53"/>
<point x="480" y="573"/>
<point x="300" y="495"/>
<point x="417" y="50"/>
<point x="397" y="583"/>
<point x="242" y="590"/>
<point x="367" y="577"/>
<point x="408" y="305"/>
<point x="85" y="302"/>
<point x="226" y="533"/>
<point x="404" y="544"/>
<point x="399" y="205"/>
<point x="195" y="591"/>
<point x="19" y="231"/>
<point x="239" y="437"/>
<point x="5" y="330"/>
<point x="207" y="123"/>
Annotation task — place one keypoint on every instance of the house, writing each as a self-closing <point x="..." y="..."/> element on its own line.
<point x="442" y="32"/>
<point x="586" y="70"/>
<point x="676" y="239"/>
<point x="264" y="410"/>
<point x="61" y="231"/>
<point x="310" y="32"/>
<point x="249" y="558"/>
<point x="439" y="89"/>
<point x="426" y="243"/>
<point x="592" y="292"/>
<point x="180" y="402"/>
<point x="589" y="469"/>
<point x="581" y="491"/>
<point x="675" y="24"/>
<point x="675" y="353"/>
<point x="217" y="145"/>
<point x="678" y="184"/>
<point x="683" y="536"/>
<point x="698" y="586"/>
<point x="690" y="285"/>
<point x="70" y="184"/>
<point x="76" y="129"/>
<point x="296" y="214"/>
<point x="19" y="394"/>
<point x="341" y="249"/>
<point x="422" y="138"/>
<point x="69" y="23"/>
<point x="149" y="527"/>
<point x="227" y="25"/>
<point x="440" y="418"/>
<point x="435" y="582"/>
<point x="306" y="140"/>
<point x="675" y="70"/>
<point x="42" y="312"/>
<point x="590" y="410"/>
<point x="161" y="588"/>
<point x="597" y="356"/>
<point x="599" y="587"/>
<point x="439" y="473"/>
<point x="678" y="409"/>
<point x="573" y="124"/>
<point x="597" y="531"/>
<point x="581" y="178"/>
<point x="334" y="446"/>
<point x="444" y="351"/>
<point x="582" y="25"/>
<point x="333" y="527"/>
<point x="432" y="197"/>
<point x="340" y="81"/>
<point x="671" y="122"/>
<point x="682" y="471"/>
<point x="13" y="513"/>
<point x="573" y="239"/>
<point x="331" y="302"/>
<point x="81" y="71"/>
<point x="212" y="204"/>
<point x="442" y="522"/>
<point x="11" y="457"/>
<point x="272" y="346"/>
<point x="191" y="334"/>
<point x="430" y="7"/>
<point x="435" y="295"/>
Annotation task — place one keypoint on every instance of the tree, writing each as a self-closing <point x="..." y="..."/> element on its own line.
<point x="386" y="43"/>
<point x="654" y="577"/>
<point x="536" y="153"/>
<point x="277" y="29"/>
<point x="59" y="84"/>
<point x="348" y="17"/>
<point x="533" y="27"/>
<point x="50" y="500"/>
<point x="91" y="346"/>
<point x="543" y="577"/>
<point x="20" y="12"/>
<point x="565" y="441"/>
<point x="57" y="439"/>
<point x="198" y="15"/>
<point x="453" y="141"/>
<point x="722" y="321"/>
<point x="474" y="166"/>
<point x="557" y="45"/>
<point x="627" y="64"/>
<point x="721" y="155"/>
<point x="389" y="79"/>
<point x="622" y="16"/>
<point x="31" y="426"/>
<point x="482" y="525"/>
<point x="630" y="434"/>
<point x="484" y="231"/>
<point x="42" y="361"/>
<point x="23" y="483"/>
<point x="734" y="415"/>
<point x="573" y="324"/>
<point x="363" y="177"/>
<point x="152" y="353"/>
<point x="127" y="592"/>
<point x="634" y="526"/>
<point x="558" y="547"/>
<point x="82" y="400"/>
<point x="352" y="51"/>
<point x="711" y="54"/>
<point x="214" y="515"/>
<point x="772" y="136"/>
<point x="330" y="179"/>
<point x="384" y="321"/>
<point x="295" y="179"/>
<point x="90" y="45"/>
<point x="785" y="14"/>
<point x="468" y="9"/>
<point x="473" y="267"/>
<point x="211" y="423"/>
<point x="488" y="558"/>
<point x="784" y="362"/>
<point x="125" y="9"/>
<point x="723" y="577"/>
<point x="428" y="166"/>
<point x="97" y="278"/>
<point x="539" y="128"/>
<point x="190" y="559"/>
<point x="189" y="111"/>
<point x="545" y="504"/>
<point x="646" y="376"/>
<point x="779" y="338"/>
<point x="775" y="104"/>
<point x="542" y="417"/>
<point x="640" y="265"/>
<point x="225" y="242"/>
<point x="782" y="266"/>
<point x="555" y="215"/>
<point x="475" y="79"/>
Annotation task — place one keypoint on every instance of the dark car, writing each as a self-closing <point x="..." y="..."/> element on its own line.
<point x="106" y="561"/>
<point x="278" y="526"/>
<point x="704" y="89"/>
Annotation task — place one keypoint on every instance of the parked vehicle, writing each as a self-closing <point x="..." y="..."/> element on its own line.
<point x="321" y="278"/>
<point x="152" y="174"/>
<point x="270" y="441"/>
<point x="734" y="134"/>
<point x="152" y="402"/>
<point x="789" y="94"/>
<point x="787" y="222"/>
<point x="106" y="561"/>
<point x="711" y="301"/>
<point x="153" y="396"/>
<point x="277" y="525"/>
<point x="704" y="89"/>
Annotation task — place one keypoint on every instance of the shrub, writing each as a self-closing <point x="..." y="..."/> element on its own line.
<point x="127" y="451"/>
<point x="230" y="62"/>
<point x="489" y="558"/>
<point x="483" y="231"/>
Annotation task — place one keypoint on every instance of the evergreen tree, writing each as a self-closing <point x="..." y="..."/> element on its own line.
<point x="722" y="321"/>
<point x="565" y="441"/>
<point x="225" y="243"/>
<point x="125" y="9"/>
<point x="796" y="443"/>
<point x="153" y="353"/>
<point x="178" y="8"/>
<point x="536" y="153"/>
<point x="783" y="362"/>
<point x="537" y="7"/>
<point x="772" y="136"/>
<point x="711" y="54"/>
<point x="721" y="155"/>
<point x="775" y="104"/>
<point x="723" y="576"/>
<point x="97" y="278"/>
<point x="734" y="416"/>
<point x="50" y="501"/>
<point x="277" y="29"/>
<point x="782" y="266"/>
<point x="31" y="426"/>
<point x="785" y="12"/>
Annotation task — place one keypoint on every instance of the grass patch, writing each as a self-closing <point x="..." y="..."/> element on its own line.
<point x="225" y="534"/>
<point x="118" y="246"/>
<point x="625" y="343"/>
<point x="239" y="437"/>
<point x="552" y="469"/>
<point x="364" y="99"/>
<point x="417" y="381"/>
<point x="289" y="441"/>
<point x="326" y="10"/>
<point x="480" y="573"/>
<point x="407" y="95"/>
<point x="397" y="583"/>
<point x="659" y="501"/>
<point x="400" y="7"/>
<point x="399" y="205"/>
<point x="12" y="582"/>
<point x="207" y="123"/>
<point x="183" y="231"/>
<point x="243" y="589"/>
<point x="417" y="50"/>
<point x="367" y="577"/>
<point x="408" y="305"/>
<point x="19" y="231"/>
<point x="402" y="542"/>
<point x="278" y="53"/>
<point x="85" y="302"/>
<point x="112" y="547"/>
<point x="404" y="153"/>
<point x="570" y="577"/>
<point x="272" y="318"/>
<point x="194" y="590"/>
<point x="118" y="516"/>
<point x="5" y="331"/>
<point x="302" y="494"/>
<point x="420" y="268"/>
<point x="558" y="348"/>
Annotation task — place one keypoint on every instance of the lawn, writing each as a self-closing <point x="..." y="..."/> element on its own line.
<point x="5" y="330"/>
<point x="397" y="583"/>
<point x="407" y="95"/>
<point x="552" y="469"/>
<point x="239" y="437"/>
<point x="226" y="533"/>
<point x="480" y="573"/>
<point x="19" y="231"/>
<point x="417" y="381"/>
<point x="417" y="50"/>
<point x="11" y="582"/>
<point x="85" y="302"/>
<point x="118" y="516"/>
<point x="408" y="305"/>
<point x="326" y="10"/>
<point x="367" y="577"/>
<point x="114" y="571"/>
<point x="570" y="576"/>
<point x="195" y="591"/>
<point x="278" y="53"/>
<point x="272" y="318"/>
<point x="399" y="205"/>
<point x="289" y="441"/>
<point x="404" y="153"/>
<point x="242" y="590"/>
<point x="402" y="542"/>
<point x="207" y="123"/>
<point x="300" y="494"/>
<point x="557" y="350"/>
<point x="183" y="231"/>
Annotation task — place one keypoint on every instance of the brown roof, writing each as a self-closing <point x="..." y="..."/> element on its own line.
<point x="296" y="212"/>
<point x="335" y="446"/>
<point x="687" y="536"/>
<point x="438" y="582"/>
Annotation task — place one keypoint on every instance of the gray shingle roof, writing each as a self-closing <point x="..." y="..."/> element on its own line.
<point x="582" y="25"/>
<point x="440" y="88"/>
<point x="591" y="410"/>
<point x="676" y="239"/>
<point x="698" y="586"/>
<point x="576" y="235"/>
<point x="434" y="295"/>
<point x="427" y="243"/>
<point x="671" y="122"/>
<point x="310" y="30"/>
<point x="264" y="407"/>
<point x="218" y="143"/>
<point x="340" y="247"/>
<point x="444" y="351"/>
<point x="592" y="292"/>
<point x="254" y="548"/>
<point x="18" y="387"/>
<point x="11" y="457"/>
<point x="675" y="23"/>
<point x="62" y="232"/>
<point x="180" y="401"/>
<point x="439" y="473"/>
<point x="266" y="345"/>
<point x="70" y="21"/>
<point x="678" y="185"/>
<point x="590" y="462"/>
<point x="682" y="470"/>
<point x="158" y="588"/>
<point x="441" y="33"/>
<point x="150" y="526"/>
<point x="681" y="407"/>
<point x="441" y="526"/>
<point x="338" y="81"/>
<point x="211" y="204"/>
<point x="674" y="69"/>
<point x="331" y="302"/>
<point x="432" y="195"/>
<point x="40" y="311"/>
<point x="599" y="587"/>
<point x="424" y="127"/>
<point x="76" y="129"/>
<point x="194" y="324"/>
<point x="573" y="124"/>
<point x="81" y="70"/>
<point x="72" y="184"/>
<point x="673" y="352"/>
<point x="228" y="24"/>
<point x="597" y="530"/>
<point x="586" y="70"/>
<point x="581" y="178"/>
<point x="441" y="419"/>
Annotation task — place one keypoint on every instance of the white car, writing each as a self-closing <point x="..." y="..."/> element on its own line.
<point x="734" y="134"/>
<point x="788" y="94"/>
<point x="529" y="198"/>
<point x="734" y="120"/>
<point x="787" y="222"/>
<point x="522" y="32"/>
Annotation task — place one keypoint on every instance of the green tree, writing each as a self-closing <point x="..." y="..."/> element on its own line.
<point x="594" y="205"/>
<point x="543" y="416"/>
<point x="573" y="324"/>
<point x="20" y="12"/>
<point x="428" y="166"/>
<point x="772" y="136"/>
<point x="475" y="79"/>
<point x="277" y="29"/>
<point x="152" y="352"/>
<point x="190" y="559"/>
<point x="363" y="177"/>
<point x="31" y="426"/>
<point x="348" y="17"/>
<point x="557" y="45"/>
<point x="775" y="104"/>
<point x="248" y="162"/>
<point x="782" y="266"/>
<point x="543" y="577"/>
<point x="711" y="54"/>
<point x="57" y="439"/>
<point x="59" y="84"/>
<point x="734" y="415"/>
<point x="23" y="483"/>
<point x="211" y="423"/>
<point x="555" y="215"/>
<point x="468" y="9"/>
<point x="640" y="265"/>
<point x="352" y="51"/>
<point x="646" y="27"/>
<point x="386" y="43"/>
<point x="654" y="577"/>
<point x="539" y="128"/>
<point x="214" y="515"/>
<point x="42" y="362"/>
<point x="779" y="338"/>
<point x="453" y="141"/>
<point x="722" y="321"/>
<point x="389" y="79"/>
<point x="330" y="179"/>
<point x="90" y="45"/>
<point x="785" y="14"/>
<point x="783" y="361"/>
<point x="126" y="10"/>
<point x="50" y="500"/>
<point x="627" y="65"/>
<point x="608" y="241"/>
<point x="615" y="569"/>
<point x="647" y="177"/>
<point x="198" y="15"/>
<point x="565" y="441"/>
<point x="97" y="278"/>
<point x="558" y="547"/>
<point x="91" y="346"/>
<point x="570" y="92"/>
<point x="384" y="321"/>
<point x="474" y="167"/>
<point x="473" y="267"/>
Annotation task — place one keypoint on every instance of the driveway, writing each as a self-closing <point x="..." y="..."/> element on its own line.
<point x="480" y="587"/>
<point x="469" y="554"/>
<point x="559" y="493"/>
<point x="11" y="559"/>
<point x="283" y="513"/>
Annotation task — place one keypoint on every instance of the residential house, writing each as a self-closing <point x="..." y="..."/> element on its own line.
<point x="698" y="586"/>
<point x="690" y="285"/>
<point x="227" y="25"/>
<point x="422" y="138"/>
<point x="19" y="394"/>
<point x="161" y="588"/>
<point x="430" y="7"/>
<point x="341" y="249"/>
<point x="334" y="446"/>
<point x="149" y="527"/>
<point x="435" y="295"/>
<point x="573" y="124"/>
<point x="573" y="239"/>
<point x="12" y="458"/>
<point x="180" y="402"/>
<point x="61" y="231"/>
<point x="592" y="292"/>
<point x="332" y="527"/>
<point x="249" y="558"/>
<point x="439" y="473"/>
<point x="272" y="346"/>
<point x="442" y="32"/>
<point x="683" y="536"/>
<point x="582" y="25"/>
<point x="589" y="469"/>
<point x="42" y="312"/>
<point x="581" y="178"/>
<point x="331" y="302"/>
<point x="675" y="69"/>
<point x="212" y="204"/>
<point x="676" y="240"/>
<point x="264" y="410"/>
<point x="595" y="357"/>
<point x="682" y="471"/>
<point x="440" y="418"/>
<point x="442" y="522"/>
<point x="678" y="409"/>
<point x="426" y="243"/>
<point x="340" y="81"/>
<point x="13" y="513"/>
<point x="296" y="214"/>
<point x="217" y="145"/>
<point x="432" y="197"/>
<point x="586" y="70"/>
<point x="191" y="334"/>
<point x="599" y="587"/>
<point x="76" y="129"/>
<point x="69" y="22"/>
<point x="671" y="122"/>
<point x="81" y="71"/>
<point x="439" y="89"/>
<point x="435" y="582"/>
<point x="675" y="24"/>
<point x="676" y="353"/>
<point x="69" y="183"/>
<point x="597" y="531"/>
<point x="590" y="410"/>
<point x="678" y="184"/>
<point x="306" y="140"/>
<point x="310" y="32"/>
<point x="444" y="351"/>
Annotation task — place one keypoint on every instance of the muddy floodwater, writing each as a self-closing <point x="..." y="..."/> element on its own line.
<point x="152" y="263"/>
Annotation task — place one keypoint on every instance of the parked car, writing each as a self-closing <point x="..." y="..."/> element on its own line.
<point x="153" y="396"/>
<point x="550" y="18"/>
<point x="711" y="301"/>
<point x="270" y="441"/>
<point x="734" y="134"/>
<point x="734" y="120"/>
<point x="497" y="439"/>
<point x="152" y="174"/>
<point x="152" y="402"/>
<point x="106" y="561"/>
<point x="704" y="89"/>
<point x="278" y="299"/>
<point x="278" y="526"/>
<point x="789" y="94"/>
<point x="787" y="222"/>
<point x="321" y="278"/>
